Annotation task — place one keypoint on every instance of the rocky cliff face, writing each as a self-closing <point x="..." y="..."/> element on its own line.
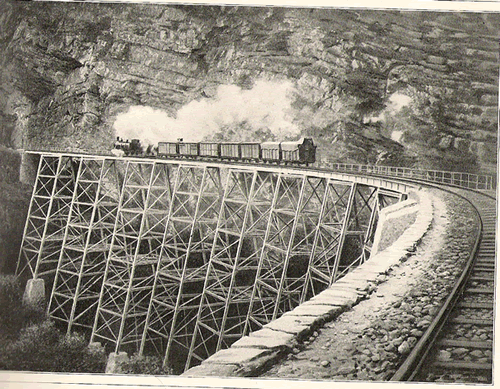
<point x="69" y="69"/>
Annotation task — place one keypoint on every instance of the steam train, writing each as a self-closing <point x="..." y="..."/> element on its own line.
<point x="302" y="151"/>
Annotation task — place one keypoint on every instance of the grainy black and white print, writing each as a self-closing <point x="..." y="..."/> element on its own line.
<point x="295" y="195"/>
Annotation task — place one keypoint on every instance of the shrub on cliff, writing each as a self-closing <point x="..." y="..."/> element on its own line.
<point x="138" y="364"/>
<point x="41" y="347"/>
<point x="29" y="341"/>
<point x="14" y="315"/>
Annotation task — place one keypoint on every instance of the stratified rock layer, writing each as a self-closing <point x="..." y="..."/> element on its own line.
<point x="69" y="69"/>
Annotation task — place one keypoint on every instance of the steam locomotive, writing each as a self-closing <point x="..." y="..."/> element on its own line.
<point x="130" y="148"/>
<point x="302" y="151"/>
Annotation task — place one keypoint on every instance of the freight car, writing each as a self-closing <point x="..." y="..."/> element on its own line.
<point x="302" y="151"/>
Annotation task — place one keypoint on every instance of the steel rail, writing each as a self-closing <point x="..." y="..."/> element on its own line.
<point x="414" y="362"/>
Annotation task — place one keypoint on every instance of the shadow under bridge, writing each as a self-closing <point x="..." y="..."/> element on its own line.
<point x="182" y="258"/>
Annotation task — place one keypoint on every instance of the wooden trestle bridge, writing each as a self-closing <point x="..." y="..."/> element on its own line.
<point x="182" y="258"/>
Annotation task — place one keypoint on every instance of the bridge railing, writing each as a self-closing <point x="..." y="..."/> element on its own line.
<point x="465" y="180"/>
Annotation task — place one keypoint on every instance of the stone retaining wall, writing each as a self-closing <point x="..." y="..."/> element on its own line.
<point x="253" y="354"/>
<point x="392" y="222"/>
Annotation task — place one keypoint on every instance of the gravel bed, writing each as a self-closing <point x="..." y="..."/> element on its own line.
<point x="474" y="313"/>
<point x="481" y="284"/>
<point x="469" y="332"/>
<point x="464" y="354"/>
<point x="370" y="341"/>
<point x="478" y="298"/>
<point x="466" y="377"/>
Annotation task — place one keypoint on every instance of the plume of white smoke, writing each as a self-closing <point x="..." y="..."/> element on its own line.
<point x="395" y="103"/>
<point x="398" y="101"/>
<point x="266" y="106"/>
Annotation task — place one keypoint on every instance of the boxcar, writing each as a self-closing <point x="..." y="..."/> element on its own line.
<point x="211" y="150"/>
<point x="189" y="149"/>
<point x="250" y="150"/>
<point x="301" y="151"/>
<point x="168" y="149"/>
<point x="271" y="151"/>
<point x="230" y="150"/>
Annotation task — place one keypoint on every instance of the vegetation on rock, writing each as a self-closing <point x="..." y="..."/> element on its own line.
<point x="138" y="364"/>
<point x="70" y="69"/>
<point x="30" y="341"/>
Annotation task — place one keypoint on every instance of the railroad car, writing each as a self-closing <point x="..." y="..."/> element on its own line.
<point x="168" y="149"/>
<point x="210" y="150"/>
<point x="189" y="149"/>
<point x="230" y="151"/>
<point x="271" y="151"/>
<point x="250" y="151"/>
<point x="301" y="151"/>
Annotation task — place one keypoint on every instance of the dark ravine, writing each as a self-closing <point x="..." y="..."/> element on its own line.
<point x="68" y="69"/>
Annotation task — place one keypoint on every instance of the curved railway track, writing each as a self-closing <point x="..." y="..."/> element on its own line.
<point x="458" y="345"/>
